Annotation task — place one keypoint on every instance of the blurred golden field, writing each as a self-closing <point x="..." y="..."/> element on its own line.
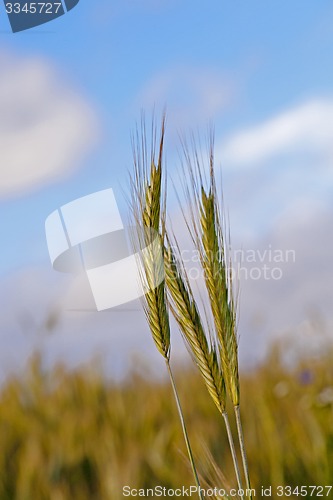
<point x="72" y="435"/>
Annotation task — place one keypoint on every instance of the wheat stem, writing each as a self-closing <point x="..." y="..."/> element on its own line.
<point x="233" y="451"/>
<point x="186" y="438"/>
<point x="243" y="450"/>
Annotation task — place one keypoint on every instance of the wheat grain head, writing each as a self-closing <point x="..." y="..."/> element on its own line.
<point x="206" y="225"/>
<point x="186" y="313"/>
<point x="148" y="207"/>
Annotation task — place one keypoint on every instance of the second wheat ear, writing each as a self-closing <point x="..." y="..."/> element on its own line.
<point x="202" y="349"/>
<point x="207" y="228"/>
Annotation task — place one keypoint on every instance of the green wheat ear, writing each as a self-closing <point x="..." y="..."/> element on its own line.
<point x="202" y="348"/>
<point x="146" y="206"/>
<point x="206" y="225"/>
<point x="186" y="313"/>
<point x="219" y="289"/>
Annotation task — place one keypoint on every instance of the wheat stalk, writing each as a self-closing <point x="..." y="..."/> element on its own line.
<point x="148" y="206"/>
<point x="207" y="229"/>
<point x="202" y="350"/>
<point x="218" y="277"/>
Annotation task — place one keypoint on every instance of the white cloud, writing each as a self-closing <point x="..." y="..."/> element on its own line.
<point x="192" y="95"/>
<point x="46" y="128"/>
<point x="276" y="166"/>
<point x="270" y="308"/>
<point x="307" y="128"/>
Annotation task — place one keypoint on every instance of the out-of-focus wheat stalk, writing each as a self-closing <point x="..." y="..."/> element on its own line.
<point x="148" y="204"/>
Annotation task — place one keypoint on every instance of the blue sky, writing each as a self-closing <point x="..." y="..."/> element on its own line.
<point x="268" y="56"/>
<point x="254" y="69"/>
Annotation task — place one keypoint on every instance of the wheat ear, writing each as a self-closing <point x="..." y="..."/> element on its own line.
<point x="218" y="275"/>
<point x="207" y="229"/>
<point x="185" y="311"/>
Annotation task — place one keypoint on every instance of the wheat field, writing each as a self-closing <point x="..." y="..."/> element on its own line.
<point x="74" y="435"/>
